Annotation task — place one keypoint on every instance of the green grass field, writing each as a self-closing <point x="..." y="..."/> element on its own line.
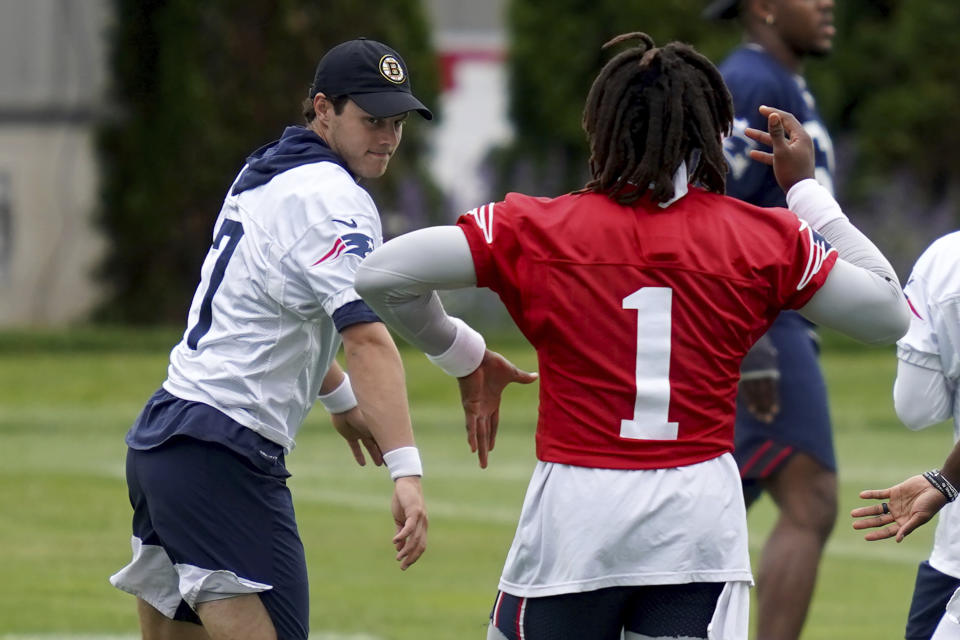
<point x="66" y="401"/>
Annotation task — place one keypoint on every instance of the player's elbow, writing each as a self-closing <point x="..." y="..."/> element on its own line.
<point x="887" y="322"/>
<point x="366" y="281"/>
<point x="913" y="415"/>
<point x="373" y="283"/>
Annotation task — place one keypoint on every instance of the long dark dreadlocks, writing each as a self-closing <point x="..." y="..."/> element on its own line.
<point x="650" y="109"/>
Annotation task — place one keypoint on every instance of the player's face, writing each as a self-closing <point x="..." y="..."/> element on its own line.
<point x="365" y="142"/>
<point x="806" y="26"/>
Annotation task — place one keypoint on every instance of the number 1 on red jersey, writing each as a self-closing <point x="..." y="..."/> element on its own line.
<point x="652" y="403"/>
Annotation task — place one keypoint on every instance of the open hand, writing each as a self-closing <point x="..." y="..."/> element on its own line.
<point x="792" y="158"/>
<point x="480" y="394"/>
<point x="909" y="504"/>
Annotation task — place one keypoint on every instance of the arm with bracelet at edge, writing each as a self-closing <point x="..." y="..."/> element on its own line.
<point x="378" y="381"/>
<point x="336" y="393"/>
<point x="912" y="502"/>
<point x="337" y="397"/>
<point x="400" y="281"/>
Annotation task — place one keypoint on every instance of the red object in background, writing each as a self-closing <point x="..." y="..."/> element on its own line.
<point x="450" y="59"/>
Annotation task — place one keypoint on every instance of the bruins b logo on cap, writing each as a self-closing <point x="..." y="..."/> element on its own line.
<point x="391" y="70"/>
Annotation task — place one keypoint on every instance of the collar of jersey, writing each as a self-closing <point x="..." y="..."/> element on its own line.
<point x="296" y="147"/>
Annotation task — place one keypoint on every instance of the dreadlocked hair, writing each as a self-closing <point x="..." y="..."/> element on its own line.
<point x="650" y="109"/>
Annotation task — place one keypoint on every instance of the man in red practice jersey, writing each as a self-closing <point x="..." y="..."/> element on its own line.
<point x="641" y="294"/>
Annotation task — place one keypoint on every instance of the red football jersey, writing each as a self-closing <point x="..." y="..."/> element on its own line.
<point x="641" y="315"/>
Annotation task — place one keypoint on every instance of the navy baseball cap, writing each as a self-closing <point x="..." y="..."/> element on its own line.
<point x="372" y="74"/>
<point x="722" y="10"/>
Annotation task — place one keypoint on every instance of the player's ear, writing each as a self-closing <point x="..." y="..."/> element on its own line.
<point x="758" y="10"/>
<point x="322" y="107"/>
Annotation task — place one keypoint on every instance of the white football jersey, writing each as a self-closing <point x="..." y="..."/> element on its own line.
<point x="260" y="334"/>
<point x="933" y="342"/>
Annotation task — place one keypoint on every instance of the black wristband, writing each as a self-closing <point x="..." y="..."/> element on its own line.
<point x="942" y="485"/>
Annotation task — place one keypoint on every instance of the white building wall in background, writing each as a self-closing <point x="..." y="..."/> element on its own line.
<point x="52" y="89"/>
<point x="470" y="41"/>
<point x="52" y="79"/>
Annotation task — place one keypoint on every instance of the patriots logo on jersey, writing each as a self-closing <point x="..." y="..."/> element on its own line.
<point x="912" y="308"/>
<point x="355" y="243"/>
<point x="483" y="216"/>
<point x="819" y="250"/>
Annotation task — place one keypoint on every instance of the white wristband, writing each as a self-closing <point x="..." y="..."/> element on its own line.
<point x="341" y="399"/>
<point x="403" y="462"/>
<point x="813" y="203"/>
<point x="465" y="354"/>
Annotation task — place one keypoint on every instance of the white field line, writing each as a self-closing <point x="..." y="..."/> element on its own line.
<point x="381" y="502"/>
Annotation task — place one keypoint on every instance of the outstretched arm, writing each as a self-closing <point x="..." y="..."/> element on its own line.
<point x="862" y="296"/>
<point x="400" y="281"/>
<point x="379" y="384"/>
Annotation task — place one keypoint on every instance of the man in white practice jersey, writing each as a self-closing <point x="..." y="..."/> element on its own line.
<point x="925" y="393"/>
<point x="216" y="551"/>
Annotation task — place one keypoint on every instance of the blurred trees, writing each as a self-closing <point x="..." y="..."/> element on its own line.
<point x="554" y="54"/>
<point x="197" y="87"/>
<point x="888" y="93"/>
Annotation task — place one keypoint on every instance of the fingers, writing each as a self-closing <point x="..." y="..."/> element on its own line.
<point x="410" y="516"/>
<point x="483" y="440"/>
<point x="472" y="431"/>
<point x="870" y="510"/>
<point x="786" y="121"/>
<point x="873" y="522"/>
<point x="909" y="526"/>
<point x="761" y="156"/>
<point x="875" y="494"/>
<point x="357" y="453"/>
<point x="888" y="531"/>
<point x="524" y="377"/>
<point x="410" y="542"/>
<point x="494" y="425"/>
<point x="759" y="135"/>
<point x="374" y="450"/>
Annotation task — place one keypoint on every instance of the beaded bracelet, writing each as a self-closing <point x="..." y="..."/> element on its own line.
<point x="942" y="485"/>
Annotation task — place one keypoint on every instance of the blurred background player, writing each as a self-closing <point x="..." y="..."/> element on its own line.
<point x="215" y="539"/>
<point x="925" y="393"/>
<point x="634" y="291"/>
<point x="784" y="443"/>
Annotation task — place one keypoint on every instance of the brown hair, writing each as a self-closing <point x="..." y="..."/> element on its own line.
<point x="650" y="109"/>
<point x="309" y="113"/>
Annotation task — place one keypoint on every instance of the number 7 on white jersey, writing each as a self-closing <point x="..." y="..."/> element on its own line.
<point x="652" y="402"/>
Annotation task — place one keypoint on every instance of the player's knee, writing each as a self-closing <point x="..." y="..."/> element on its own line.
<point x="813" y="507"/>
<point x="494" y="634"/>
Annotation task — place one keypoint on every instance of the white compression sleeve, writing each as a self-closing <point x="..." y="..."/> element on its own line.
<point x="862" y="296"/>
<point x="400" y="279"/>
<point x="921" y="396"/>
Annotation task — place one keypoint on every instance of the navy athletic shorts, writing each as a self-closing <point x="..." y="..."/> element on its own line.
<point x="208" y="524"/>
<point x="803" y="423"/>
<point x="655" y="611"/>
<point x="931" y="593"/>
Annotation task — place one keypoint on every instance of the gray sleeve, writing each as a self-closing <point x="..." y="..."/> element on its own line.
<point x="862" y="296"/>
<point x="400" y="281"/>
